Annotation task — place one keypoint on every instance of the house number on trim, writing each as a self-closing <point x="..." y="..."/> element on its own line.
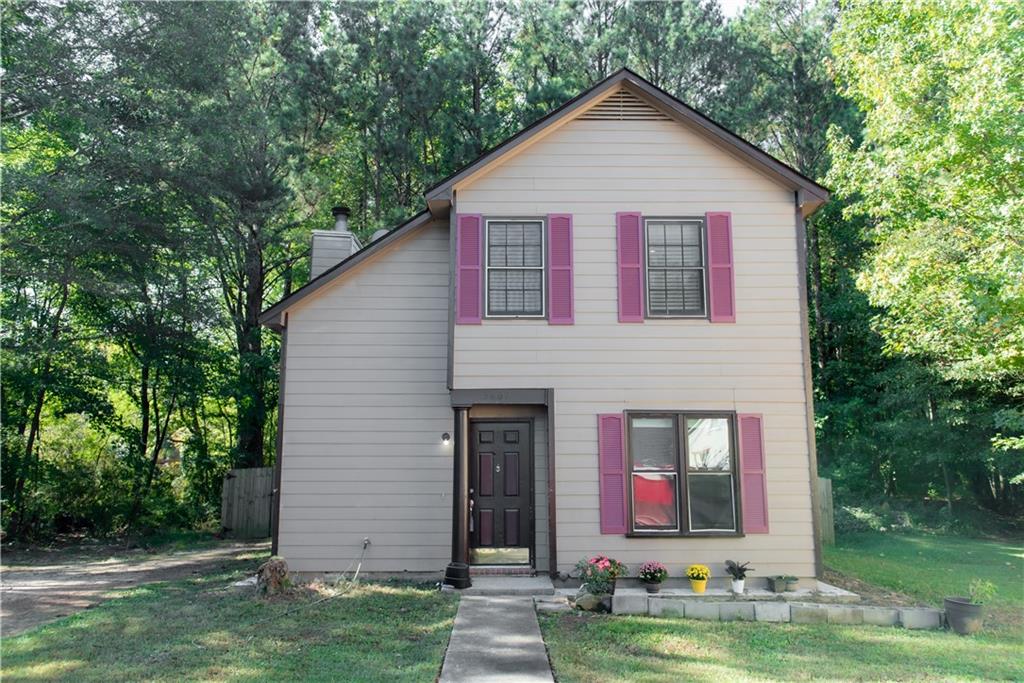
<point x="497" y="468"/>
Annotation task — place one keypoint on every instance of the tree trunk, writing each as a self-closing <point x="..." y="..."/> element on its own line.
<point x="475" y="128"/>
<point x="252" y="406"/>
<point x="814" y="264"/>
<point x="948" y="479"/>
<point x="28" y="458"/>
<point x="158" y="444"/>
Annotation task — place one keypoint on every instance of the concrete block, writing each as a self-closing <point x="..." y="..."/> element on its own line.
<point x="772" y="611"/>
<point x="841" y="614"/>
<point x="553" y="607"/>
<point x="828" y="593"/>
<point x="736" y="611"/>
<point x="808" y="614"/>
<point x="662" y="607"/>
<point x="708" y="611"/>
<point x="921" y="617"/>
<point x="629" y="603"/>
<point x="881" y="616"/>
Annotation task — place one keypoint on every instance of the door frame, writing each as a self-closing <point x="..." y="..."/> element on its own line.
<point x="532" y="501"/>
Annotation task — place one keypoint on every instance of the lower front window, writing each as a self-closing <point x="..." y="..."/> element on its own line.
<point x="682" y="473"/>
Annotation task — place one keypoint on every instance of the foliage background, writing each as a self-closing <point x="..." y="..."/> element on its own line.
<point x="164" y="163"/>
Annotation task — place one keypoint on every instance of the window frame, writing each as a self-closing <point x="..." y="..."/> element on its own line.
<point x="702" y="221"/>
<point x="488" y="267"/>
<point x="684" y="526"/>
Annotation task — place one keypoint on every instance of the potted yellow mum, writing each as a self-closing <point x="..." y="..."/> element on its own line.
<point x="698" y="574"/>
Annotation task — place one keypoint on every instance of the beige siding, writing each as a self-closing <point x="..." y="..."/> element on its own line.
<point x="365" y="406"/>
<point x="593" y="169"/>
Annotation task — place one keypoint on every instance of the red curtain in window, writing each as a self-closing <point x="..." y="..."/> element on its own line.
<point x="654" y="500"/>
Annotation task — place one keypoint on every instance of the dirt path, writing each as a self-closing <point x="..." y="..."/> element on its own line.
<point x="40" y="586"/>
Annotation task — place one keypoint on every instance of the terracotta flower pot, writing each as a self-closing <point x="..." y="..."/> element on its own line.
<point x="698" y="585"/>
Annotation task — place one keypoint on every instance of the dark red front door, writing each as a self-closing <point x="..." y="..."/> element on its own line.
<point x="500" y="465"/>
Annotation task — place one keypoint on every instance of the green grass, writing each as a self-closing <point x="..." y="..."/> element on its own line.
<point x="592" y="648"/>
<point x="648" y="650"/>
<point x="930" y="567"/>
<point x="198" y="630"/>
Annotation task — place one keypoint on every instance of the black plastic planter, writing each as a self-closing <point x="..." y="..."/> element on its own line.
<point x="964" y="616"/>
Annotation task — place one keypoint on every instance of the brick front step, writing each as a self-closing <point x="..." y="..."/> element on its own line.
<point x="500" y="570"/>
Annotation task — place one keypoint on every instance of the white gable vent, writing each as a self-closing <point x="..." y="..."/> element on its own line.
<point x="623" y="106"/>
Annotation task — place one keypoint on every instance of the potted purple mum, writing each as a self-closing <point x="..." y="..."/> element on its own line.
<point x="652" y="574"/>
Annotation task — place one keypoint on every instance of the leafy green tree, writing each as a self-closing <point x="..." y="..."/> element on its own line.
<point x="940" y="173"/>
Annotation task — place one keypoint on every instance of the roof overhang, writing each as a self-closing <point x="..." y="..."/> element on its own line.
<point x="439" y="197"/>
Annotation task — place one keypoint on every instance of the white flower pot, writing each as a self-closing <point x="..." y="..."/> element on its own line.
<point x="737" y="586"/>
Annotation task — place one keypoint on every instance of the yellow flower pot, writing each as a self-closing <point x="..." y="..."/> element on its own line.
<point x="698" y="585"/>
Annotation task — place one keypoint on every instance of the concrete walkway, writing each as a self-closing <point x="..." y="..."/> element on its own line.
<point x="496" y="640"/>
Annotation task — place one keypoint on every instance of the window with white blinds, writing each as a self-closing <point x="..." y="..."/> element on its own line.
<point x="675" y="267"/>
<point x="515" y="268"/>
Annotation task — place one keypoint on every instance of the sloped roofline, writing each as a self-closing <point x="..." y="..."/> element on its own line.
<point x="272" y="316"/>
<point x="440" y="193"/>
<point x="810" y="194"/>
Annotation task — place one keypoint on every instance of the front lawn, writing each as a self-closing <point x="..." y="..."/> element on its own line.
<point x="592" y="648"/>
<point x="589" y="649"/>
<point x="929" y="567"/>
<point x="200" y="630"/>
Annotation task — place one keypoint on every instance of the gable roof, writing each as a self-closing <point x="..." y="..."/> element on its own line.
<point x="438" y="196"/>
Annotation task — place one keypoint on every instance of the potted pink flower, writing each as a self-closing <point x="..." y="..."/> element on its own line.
<point x="598" y="575"/>
<point x="652" y="574"/>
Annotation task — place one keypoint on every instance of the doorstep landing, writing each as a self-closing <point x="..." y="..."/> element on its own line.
<point x="510" y="585"/>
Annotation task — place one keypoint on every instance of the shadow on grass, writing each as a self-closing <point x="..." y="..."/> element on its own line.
<point x="202" y="630"/>
<point x="585" y="648"/>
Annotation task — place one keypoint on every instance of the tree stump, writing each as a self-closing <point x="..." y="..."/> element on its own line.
<point x="272" y="576"/>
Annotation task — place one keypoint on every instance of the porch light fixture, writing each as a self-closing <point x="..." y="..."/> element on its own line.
<point x="445" y="438"/>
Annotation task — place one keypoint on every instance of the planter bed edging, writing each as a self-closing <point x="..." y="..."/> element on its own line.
<point x="779" y="611"/>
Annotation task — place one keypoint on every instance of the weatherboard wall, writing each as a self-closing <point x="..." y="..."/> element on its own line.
<point x="593" y="169"/>
<point x="366" y="403"/>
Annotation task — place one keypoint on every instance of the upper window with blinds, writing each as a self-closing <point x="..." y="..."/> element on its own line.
<point x="675" y="268"/>
<point x="515" y="269"/>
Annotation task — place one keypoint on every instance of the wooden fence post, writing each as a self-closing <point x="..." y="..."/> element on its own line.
<point x="826" y="512"/>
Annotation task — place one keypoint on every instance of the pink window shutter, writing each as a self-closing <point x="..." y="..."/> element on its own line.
<point x="721" y="276"/>
<point x="628" y="226"/>
<point x="753" y="486"/>
<point x="560" y="295"/>
<point x="611" y="456"/>
<point x="469" y="269"/>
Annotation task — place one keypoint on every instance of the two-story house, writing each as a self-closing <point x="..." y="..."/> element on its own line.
<point x="592" y="340"/>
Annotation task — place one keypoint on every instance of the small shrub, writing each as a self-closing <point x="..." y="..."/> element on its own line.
<point x="982" y="591"/>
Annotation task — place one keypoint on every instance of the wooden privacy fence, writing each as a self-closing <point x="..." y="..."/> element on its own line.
<point x="246" y="502"/>
<point x="826" y="512"/>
